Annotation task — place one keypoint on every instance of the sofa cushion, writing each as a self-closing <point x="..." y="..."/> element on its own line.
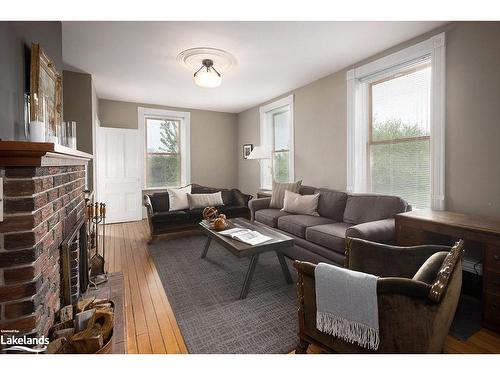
<point x="361" y="208"/>
<point x="307" y="190"/>
<point x="227" y="195"/>
<point x="178" y="198"/>
<point x="331" y="236"/>
<point x="204" y="200"/>
<point x="331" y="203"/>
<point x="297" y="224"/>
<point x="269" y="216"/>
<point x="278" y="193"/>
<point x="295" y="203"/>
<point x="159" y="201"/>
<point x="306" y="251"/>
<point x="169" y="217"/>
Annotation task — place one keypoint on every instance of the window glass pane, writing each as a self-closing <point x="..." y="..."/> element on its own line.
<point x="402" y="169"/>
<point x="162" y="135"/>
<point x="281" y="166"/>
<point x="282" y="127"/>
<point x="400" y="106"/>
<point x="163" y="170"/>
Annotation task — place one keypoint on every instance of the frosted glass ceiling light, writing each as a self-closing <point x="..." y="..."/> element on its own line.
<point x="207" y="76"/>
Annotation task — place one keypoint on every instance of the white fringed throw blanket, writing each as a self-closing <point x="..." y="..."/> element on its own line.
<point x="346" y="303"/>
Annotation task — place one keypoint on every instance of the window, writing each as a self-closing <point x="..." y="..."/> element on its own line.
<point x="163" y="157"/>
<point x="396" y="125"/>
<point x="166" y="145"/>
<point x="399" y="136"/>
<point x="277" y="137"/>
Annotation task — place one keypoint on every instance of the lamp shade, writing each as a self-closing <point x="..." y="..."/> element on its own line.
<point x="259" y="153"/>
<point x="207" y="77"/>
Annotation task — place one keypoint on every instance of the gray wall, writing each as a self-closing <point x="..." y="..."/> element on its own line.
<point x="472" y="126"/>
<point x="214" y="137"/>
<point x="15" y="46"/>
<point x="79" y="106"/>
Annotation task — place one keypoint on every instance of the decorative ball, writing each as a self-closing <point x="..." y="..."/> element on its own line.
<point x="222" y="216"/>
<point x="210" y="213"/>
<point x="219" y="224"/>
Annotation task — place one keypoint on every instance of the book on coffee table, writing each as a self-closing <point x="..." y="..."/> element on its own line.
<point x="248" y="236"/>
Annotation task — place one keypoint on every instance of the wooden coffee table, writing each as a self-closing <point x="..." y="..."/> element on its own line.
<point x="240" y="249"/>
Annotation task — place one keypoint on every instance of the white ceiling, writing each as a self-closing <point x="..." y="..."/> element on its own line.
<point x="136" y="61"/>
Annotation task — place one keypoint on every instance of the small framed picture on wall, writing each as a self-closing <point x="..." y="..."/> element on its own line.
<point x="247" y="149"/>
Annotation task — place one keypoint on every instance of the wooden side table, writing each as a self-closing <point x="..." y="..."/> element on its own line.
<point x="442" y="227"/>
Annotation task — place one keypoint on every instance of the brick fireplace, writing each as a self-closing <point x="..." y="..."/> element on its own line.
<point x="40" y="235"/>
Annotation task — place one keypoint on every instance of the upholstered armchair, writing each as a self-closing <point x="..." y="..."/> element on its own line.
<point x="417" y="293"/>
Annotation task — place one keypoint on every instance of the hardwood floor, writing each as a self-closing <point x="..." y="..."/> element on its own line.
<point x="150" y="322"/>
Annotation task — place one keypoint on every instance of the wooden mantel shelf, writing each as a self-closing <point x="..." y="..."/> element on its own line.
<point x="37" y="154"/>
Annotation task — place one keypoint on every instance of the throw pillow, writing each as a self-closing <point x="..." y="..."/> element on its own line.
<point x="278" y="193"/>
<point x="301" y="204"/>
<point x="177" y="198"/>
<point x="205" y="200"/>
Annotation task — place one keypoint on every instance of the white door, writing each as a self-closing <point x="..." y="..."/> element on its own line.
<point x="118" y="173"/>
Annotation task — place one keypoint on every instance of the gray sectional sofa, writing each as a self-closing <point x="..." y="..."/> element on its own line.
<point x="322" y="238"/>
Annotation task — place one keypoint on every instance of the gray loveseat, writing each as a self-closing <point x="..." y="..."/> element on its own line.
<point x="322" y="238"/>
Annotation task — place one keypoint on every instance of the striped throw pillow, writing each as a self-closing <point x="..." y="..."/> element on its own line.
<point x="205" y="200"/>
<point x="278" y="193"/>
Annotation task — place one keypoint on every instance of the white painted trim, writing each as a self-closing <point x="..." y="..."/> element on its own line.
<point x="185" y="118"/>
<point x="438" y="122"/>
<point x="351" y="131"/>
<point x="287" y="100"/>
<point x="264" y="110"/>
<point x="397" y="58"/>
<point x="357" y="130"/>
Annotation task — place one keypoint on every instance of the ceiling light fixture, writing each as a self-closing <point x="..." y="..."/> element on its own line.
<point x="207" y="75"/>
<point x="208" y="58"/>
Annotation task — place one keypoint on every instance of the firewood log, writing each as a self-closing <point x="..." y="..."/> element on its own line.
<point x="99" y="301"/>
<point x="84" y="320"/>
<point x="88" y="341"/>
<point x="66" y="313"/>
<point x="84" y="304"/>
<point x="101" y="305"/>
<point x="66" y="332"/>
<point x="60" y="326"/>
<point x="60" y="346"/>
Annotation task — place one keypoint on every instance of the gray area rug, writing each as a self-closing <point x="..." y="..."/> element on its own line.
<point x="204" y="294"/>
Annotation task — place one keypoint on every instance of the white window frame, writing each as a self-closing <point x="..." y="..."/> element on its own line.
<point x="266" y="138"/>
<point x="358" y="80"/>
<point x="185" y="147"/>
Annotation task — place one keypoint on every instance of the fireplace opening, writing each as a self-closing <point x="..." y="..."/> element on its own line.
<point x="74" y="264"/>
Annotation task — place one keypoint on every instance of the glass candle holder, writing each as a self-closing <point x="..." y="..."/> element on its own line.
<point x="37" y="124"/>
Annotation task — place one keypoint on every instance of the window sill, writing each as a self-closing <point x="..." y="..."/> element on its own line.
<point x="160" y="188"/>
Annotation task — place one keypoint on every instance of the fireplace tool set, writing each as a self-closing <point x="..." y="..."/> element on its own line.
<point x="96" y="216"/>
